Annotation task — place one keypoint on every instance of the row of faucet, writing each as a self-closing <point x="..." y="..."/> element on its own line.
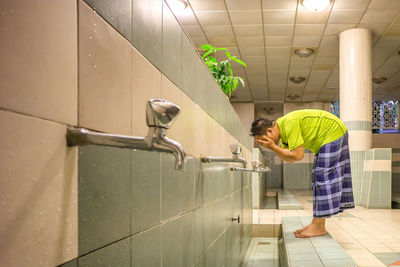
<point x="160" y="115"/>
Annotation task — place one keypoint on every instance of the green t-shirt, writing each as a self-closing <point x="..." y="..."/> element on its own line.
<point x="311" y="128"/>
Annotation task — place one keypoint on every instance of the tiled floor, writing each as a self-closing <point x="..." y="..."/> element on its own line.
<point x="365" y="234"/>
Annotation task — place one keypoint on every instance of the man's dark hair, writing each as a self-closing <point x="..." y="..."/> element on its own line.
<point x="260" y="126"/>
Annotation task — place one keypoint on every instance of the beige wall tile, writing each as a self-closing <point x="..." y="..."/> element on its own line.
<point x="104" y="75"/>
<point x="38" y="62"/>
<point x="146" y="84"/>
<point x="170" y="92"/>
<point x="38" y="193"/>
<point x="189" y="133"/>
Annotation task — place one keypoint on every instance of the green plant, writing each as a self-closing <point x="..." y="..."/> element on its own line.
<point x="221" y="70"/>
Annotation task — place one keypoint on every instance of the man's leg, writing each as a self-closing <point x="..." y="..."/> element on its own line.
<point x="315" y="228"/>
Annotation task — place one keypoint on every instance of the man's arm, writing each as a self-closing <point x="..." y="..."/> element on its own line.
<point x="287" y="155"/>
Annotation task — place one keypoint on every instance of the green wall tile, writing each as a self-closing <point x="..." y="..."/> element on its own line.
<point x="116" y="254"/>
<point x="145" y="190"/>
<point x="199" y="186"/>
<point x="73" y="263"/>
<point x="236" y="181"/>
<point x="199" y="244"/>
<point x="188" y="239"/>
<point x="104" y="196"/>
<point x="171" y="47"/>
<point x="222" y="184"/>
<point x="172" y="243"/>
<point x="147" y="29"/>
<point x="188" y="182"/>
<point x="170" y="187"/>
<point x="383" y="153"/>
<point x="211" y="256"/>
<point x="189" y="57"/>
<point x="221" y="250"/>
<point x="117" y="13"/>
<point x="146" y="248"/>
<point x="209" y="225"/>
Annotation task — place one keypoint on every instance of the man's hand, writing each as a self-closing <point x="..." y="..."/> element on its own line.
<point x="265" y="141"/>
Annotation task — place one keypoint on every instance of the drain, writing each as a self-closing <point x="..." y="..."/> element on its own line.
<point x="264" y="243"/>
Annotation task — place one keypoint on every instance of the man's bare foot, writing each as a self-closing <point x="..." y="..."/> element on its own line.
<point x="302" y="229"/>
<point x="316" y="228"/>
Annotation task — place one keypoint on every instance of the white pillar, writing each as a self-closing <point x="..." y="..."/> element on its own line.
<point x="356" y="98"/>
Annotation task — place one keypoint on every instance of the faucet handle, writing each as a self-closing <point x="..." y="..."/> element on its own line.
<point x="254" y="163"/>
<point x="161" y="113"/>
<point x="236" y="149"/>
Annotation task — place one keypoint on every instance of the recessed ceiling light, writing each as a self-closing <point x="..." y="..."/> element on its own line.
<point x="304" y="52"/>
<point x="297" y="79"/>
<point x="177" y="5"/>
<point x="378" y="79"/>
<point x="315" y="5"/>
<point x="293" y="97"/>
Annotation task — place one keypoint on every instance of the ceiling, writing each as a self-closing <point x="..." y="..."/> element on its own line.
<point x="264" y="34"/>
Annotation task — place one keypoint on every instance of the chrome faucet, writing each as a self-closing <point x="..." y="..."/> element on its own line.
<point x="160" y="115"/>
<point x="236" y="150"/>
<point x="257" y="167"/>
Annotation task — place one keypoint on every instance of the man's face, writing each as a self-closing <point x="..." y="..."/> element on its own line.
<point x="273" y="133"/>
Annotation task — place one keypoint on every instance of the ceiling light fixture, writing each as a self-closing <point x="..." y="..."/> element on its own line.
<point x="177" y="5"/>
<point x="315" y="5"/>
<point x="297" y="79"/>
<point x="293" y="97"/>
<point x="304" y="52"/>
<point x="378" y="79"/>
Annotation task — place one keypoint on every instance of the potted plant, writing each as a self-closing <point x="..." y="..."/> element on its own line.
<point x="221" y="70"/>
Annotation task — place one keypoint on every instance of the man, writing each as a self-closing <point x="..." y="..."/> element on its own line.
<point x="325" y="135"/>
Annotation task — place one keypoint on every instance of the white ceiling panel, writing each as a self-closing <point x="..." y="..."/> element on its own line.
<point x="336" y="29"/>
<point x="393" y="30"/>
<point x="330" y="41"/>
<point x="379" y="16"/>
<point x="250" y="41"/>
<point x="252" y="51"/>
<point x="271" y="41"/>
<point x="198" y="41"/>
<point x="306" y="41"/>
<point x="279" y="16"/>
<point x="390" y="67"/>
<point x="326" y="60"/>
<point x="254" y="60"/>
<point x="222" y="41"/>
<point x="278" y="51"/>
<point x="376" y="29"/>
<point x="218" y="31"/>
<point x="308" y="17"/>
<point x="328" y="51"/>
<point x="351" y="4"/>
<point x="245" y="17"/>
<point x="281" y="4"/>
<point x="345" y="16"/>
<point x="207" y="5"/>
<point x="213" y="18"/>
<point x="234" y="51"/>
<point x="243" y="4"/>
<point x="194" y="31"/>
<point x="186" y="18"/>
<point x="385" y="4"/>
<point x="309" y="29"/>
<point x="248" y="30"/>
<point x="261" y="95"/>
<point x="278" y="29"/>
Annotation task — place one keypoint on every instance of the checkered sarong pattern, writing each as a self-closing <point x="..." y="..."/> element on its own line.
<point x="331" y="179"/>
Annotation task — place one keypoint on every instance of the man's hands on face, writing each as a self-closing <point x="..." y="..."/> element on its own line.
<point x="265" y="141"/>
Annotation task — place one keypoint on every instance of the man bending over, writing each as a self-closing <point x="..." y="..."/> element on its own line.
<point x="325" y="135"/>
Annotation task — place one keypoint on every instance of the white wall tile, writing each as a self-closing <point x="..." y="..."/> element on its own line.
<point x="38" y="193"/>
<point x="38" y="62"/>
<point x="104" y="75"/>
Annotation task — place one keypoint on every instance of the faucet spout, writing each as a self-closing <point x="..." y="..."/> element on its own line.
<point x="157" y="138"/>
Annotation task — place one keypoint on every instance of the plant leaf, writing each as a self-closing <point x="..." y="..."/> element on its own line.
<point x="207" y="47"/>
<point x="239" y="61"/>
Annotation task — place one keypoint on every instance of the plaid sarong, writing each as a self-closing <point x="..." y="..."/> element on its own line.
<point x="331" y="179"/>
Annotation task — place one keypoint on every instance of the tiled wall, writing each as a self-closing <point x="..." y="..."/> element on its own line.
<point x="135" y="209"/>
<point x="123" y="208"/>
<point x="298" y="174"/>
<point x="259" y="181"/>
<point x="154" y="32"/>
<point x="375" y="191"/>
<point x="396" y="171"/>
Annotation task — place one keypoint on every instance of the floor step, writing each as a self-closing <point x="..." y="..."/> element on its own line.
<point x="309" y="252"/>
<point x="287" y="201"/>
